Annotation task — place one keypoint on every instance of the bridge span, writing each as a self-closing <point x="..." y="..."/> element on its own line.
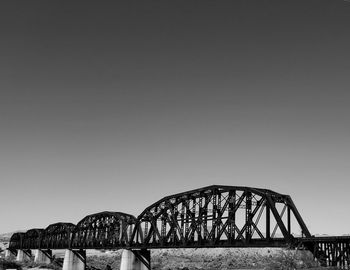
<point x="209" y="217"/>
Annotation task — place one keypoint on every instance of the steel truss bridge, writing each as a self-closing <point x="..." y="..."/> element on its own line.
<point x="213" y="216"/>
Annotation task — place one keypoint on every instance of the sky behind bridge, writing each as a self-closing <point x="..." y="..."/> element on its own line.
<point x="113" y="105"/>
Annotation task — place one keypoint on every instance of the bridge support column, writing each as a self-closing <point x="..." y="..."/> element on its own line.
<point x="7" y="254"/>
<point x="23" y="255"/>
<point x="10" y="253"/>
<point x="43" y="256"/>
<point x="136" y="260"/>
<point x="74" y="260"/>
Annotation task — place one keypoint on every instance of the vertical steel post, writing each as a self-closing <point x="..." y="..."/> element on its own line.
<point x="268" y="233"/>
<point x="248" y="216"/>
<point x="288" y="220"/>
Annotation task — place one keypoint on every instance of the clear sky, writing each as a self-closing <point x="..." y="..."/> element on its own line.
<point x="112" y="105"/>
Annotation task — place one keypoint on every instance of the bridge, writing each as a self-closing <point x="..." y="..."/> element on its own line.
<point x="209" y="217"/>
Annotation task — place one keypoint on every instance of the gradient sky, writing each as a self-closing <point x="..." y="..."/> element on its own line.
<point x="111" y="105"/>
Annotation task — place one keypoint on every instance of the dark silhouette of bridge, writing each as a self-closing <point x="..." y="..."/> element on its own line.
<point x="213" y="216"/>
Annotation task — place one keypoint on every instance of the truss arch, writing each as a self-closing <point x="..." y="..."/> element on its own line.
<point x="104" y="230"/>
<point x="219" y="216"/>
<point x="32" y="238"/>
<point x="57" y="235"/>
<point x="16" y="240"/>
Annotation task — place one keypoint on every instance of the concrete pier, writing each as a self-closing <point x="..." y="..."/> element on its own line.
<point x="74" y="260"/>
<point x="135" y="260"/>
<point x="23" y="255"/>
<point x="42" y="256"/>
<point x="9" y="254"/>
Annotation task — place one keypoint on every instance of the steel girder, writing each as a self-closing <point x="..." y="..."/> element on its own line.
<point x="215" y="216"/>
<point x="104" y="230"/>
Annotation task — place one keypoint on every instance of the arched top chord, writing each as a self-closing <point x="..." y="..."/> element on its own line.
<point x="210" y="190"/>
<point x="59" y="227"/>
<point x="34" y="233"/>
<point x="105" y="218"/>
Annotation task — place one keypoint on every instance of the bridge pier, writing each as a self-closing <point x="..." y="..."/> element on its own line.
<point x="7" y="254"/>
<point x="10" y="253"/>
<point x="43" y="256"/>
<point x="136" y="260"/>
<point x="23" y="255"/>
<point x="74" y="260"/>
